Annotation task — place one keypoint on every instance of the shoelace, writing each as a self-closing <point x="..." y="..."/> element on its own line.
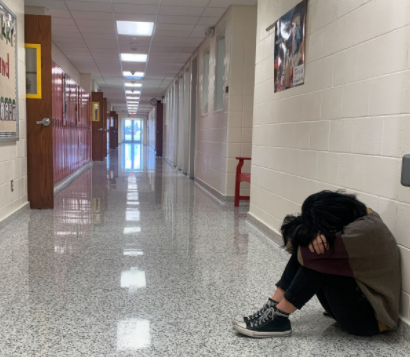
<point x="268" y="315"/>
<point x="258" y="313"/>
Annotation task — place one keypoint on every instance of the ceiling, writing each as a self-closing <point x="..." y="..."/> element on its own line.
<point x="86" y="32"/>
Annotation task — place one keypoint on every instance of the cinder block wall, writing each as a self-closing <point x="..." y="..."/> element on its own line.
<point x="348" y="125"/>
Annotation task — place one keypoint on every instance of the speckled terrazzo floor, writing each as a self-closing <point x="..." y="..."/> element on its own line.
<point x="137" y="260"/>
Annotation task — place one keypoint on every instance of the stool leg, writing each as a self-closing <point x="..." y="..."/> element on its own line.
<point x="237" y="192"/>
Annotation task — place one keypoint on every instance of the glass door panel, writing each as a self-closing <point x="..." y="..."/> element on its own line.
<point x="137" y="130"/>
<point x="128" y="129"/>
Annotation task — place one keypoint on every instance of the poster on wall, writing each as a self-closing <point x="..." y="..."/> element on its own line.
<point x="290" y="39"/>
<point x="8" y="75"/>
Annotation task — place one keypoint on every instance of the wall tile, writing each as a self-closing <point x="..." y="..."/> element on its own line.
<point x="341" y="135"/>
<point x="368" y="136"/>
<point x="356" y="99"/>
<point x="387" y="94"/>
<point x="381" y="176"/>
<point x="319" y="135"/>
<point x="383" y="55"/>
<point x="396" y="138"/>
<point x="345" y="66"/>
<point x="351" y="172"/>
<point x="332" y="102"/>
<point x="328" y="164"/>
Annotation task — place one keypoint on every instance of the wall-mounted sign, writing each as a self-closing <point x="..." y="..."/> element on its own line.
<point x="8" y="76"/>
<point x="33" y="70"/>
<point x="95" y="107"/>
<point x="290" y="48"/>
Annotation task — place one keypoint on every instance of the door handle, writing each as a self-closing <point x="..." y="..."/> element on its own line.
<point x="101" y="129"/>
<point x="45" y="122"/>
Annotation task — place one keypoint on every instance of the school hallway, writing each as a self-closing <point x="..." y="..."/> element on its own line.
<point x="138" y="260"/>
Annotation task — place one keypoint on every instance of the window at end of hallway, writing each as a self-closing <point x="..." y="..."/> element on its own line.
<point x="205" y="85"/>
<point x="220" y="72"/>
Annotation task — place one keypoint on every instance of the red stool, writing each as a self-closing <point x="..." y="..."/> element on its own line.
<point x="241" y="177"/>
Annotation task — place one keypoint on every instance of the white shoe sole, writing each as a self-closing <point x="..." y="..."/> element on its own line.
<point x="257" y="334"/>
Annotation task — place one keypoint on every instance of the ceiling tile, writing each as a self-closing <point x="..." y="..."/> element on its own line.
<point x="89" y="6"/>
<point x="175" y="27"/>
<point x="70" y="29"/>
<point x="171" y="33"/>
<point x="200" y="3"/>
<point x="199" y="28"/>
<point x="99" y="23"/>
<point x="140" y="2"/>
<point x="137" y="9"/>
<point x="96" y="29"/>
<point x="119" y="16"/>
<point x="110" y="36"/>
<point x="211" y="21"/>
<point x="72" y="39"/>
<point x="59" y="21"/>
<point x="60" y="13"/>
<point x="214" y="11"/>
<point x="200" y="34"/>
<point x="187" y="20"/>
<point x="92" y="15"/>
<point x="48" y="4"/>
<point x="181" y="11"/>
<point x="227" y="3"/>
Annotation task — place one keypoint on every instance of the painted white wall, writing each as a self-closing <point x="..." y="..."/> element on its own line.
<point x="60" y="58"/>
<point x="13" y="156"/>
<point x="220" y="135"/>
<point x="348" y="125"/>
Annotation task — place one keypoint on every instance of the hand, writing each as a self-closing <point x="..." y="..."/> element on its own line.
<point x="319" y="245"/>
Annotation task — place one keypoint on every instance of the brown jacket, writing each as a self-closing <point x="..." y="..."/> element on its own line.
<point x="368" y="252"/>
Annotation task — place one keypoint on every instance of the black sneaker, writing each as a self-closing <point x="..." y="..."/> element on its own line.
<point x="273" y="323"/>
<point x="239" y="318"/>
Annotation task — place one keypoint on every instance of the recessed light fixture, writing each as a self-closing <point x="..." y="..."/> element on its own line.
<point x="133" y="75"/>
<point x="133" y="102"/>
<point x="133" y="28"/>
<point x="133" y="57"/>
<point x="132" y="98"/>
<point x="131" y="91"/>
<point x="133" y="85"/>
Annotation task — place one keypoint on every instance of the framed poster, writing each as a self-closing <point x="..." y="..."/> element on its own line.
<point x="9" y="114"/>
<point x="290" y="39"/>
<point x="95" y="108"/>
<point x="33" y="70"/>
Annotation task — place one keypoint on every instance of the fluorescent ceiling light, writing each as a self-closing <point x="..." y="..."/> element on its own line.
<point x="133" y="98"/>
<point x="133" y="102"/>
<point x="133" y="84"/>
<point x="133" y="75"/>
<point x="133" y="57"/>
<point x="135" y="28"/>
<point x="132" y="91"/>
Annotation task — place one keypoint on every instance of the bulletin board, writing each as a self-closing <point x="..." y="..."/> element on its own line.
<point x="8" y="76"/>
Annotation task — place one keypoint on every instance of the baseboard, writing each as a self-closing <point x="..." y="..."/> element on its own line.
<point x="60" y="185"/>
<point x="14" y="215"/>
<point x="256" y="225"/>
<point x="214" y="193"/>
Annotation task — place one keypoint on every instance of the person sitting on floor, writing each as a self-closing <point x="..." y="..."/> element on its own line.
<point x="343" y="253"/>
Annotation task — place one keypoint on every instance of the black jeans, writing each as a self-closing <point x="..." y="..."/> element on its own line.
<point x="340" y="296"/>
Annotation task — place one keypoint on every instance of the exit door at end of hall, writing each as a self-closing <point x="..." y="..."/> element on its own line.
<point x="132" y="130"/>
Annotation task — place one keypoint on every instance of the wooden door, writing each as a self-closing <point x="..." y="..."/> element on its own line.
<point x="98" y="150"/>
<point x="40" y="137"/>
